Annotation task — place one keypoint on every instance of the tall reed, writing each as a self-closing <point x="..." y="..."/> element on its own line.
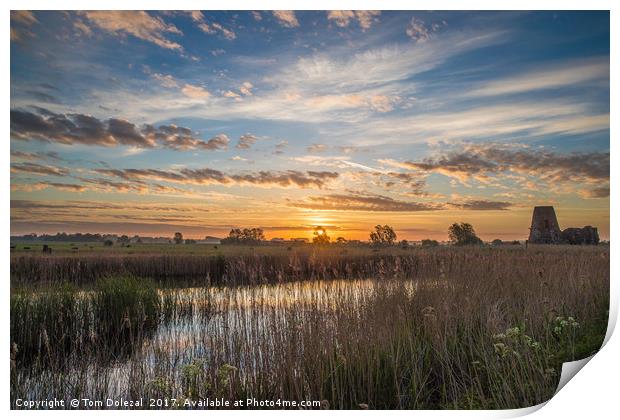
<point x="450" y="328"/>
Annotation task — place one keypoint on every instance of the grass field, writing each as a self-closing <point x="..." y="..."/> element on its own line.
<point x="97" y="248"/>
<point x="444" y="327"/>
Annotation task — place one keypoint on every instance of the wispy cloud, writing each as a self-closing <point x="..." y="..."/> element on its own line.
<point x="286" y="18"/>
<point x="208" y="176"/>
<point x="213" y="27"/>
<point x="559" y="75"/>
<point x="355" y="202"/>
<point x="139" y="24"/>
<point x="365" y="18"/>
<point x="35" y="168"/>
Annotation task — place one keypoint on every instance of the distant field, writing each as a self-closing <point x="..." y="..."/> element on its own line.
<point x="67" y="248"/>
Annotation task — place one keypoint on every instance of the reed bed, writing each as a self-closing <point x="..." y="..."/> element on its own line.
<point x="439" y="329"/>
<point x="299" y="264"/>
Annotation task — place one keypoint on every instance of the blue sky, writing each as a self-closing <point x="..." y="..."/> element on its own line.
<point x="288" y="119"/>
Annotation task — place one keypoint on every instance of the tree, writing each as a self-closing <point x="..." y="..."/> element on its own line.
<point x="429" y="242"/>
<point x="463" y="234"/>
<point x="108" y="242"/>
<point x="178" y="238"/>
<point x="320" y="235"/>
<point x="383" y="235"/>
<point x="404" y="244"/>
<point x="123" y="240"/>
<point x="340" y="240"/>
<point x="497" y="242"/>
<point x="252" y="236"/>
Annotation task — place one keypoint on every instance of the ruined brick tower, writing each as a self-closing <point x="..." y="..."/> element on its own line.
<point x="545" y="228"/>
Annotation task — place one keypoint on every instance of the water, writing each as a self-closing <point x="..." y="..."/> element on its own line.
<point x="252" y="329"/>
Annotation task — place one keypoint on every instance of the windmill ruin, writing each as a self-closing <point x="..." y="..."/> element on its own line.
<point x="545" y="229"/>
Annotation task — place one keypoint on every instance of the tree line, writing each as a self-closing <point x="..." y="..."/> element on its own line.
<point x="381" y="235"/>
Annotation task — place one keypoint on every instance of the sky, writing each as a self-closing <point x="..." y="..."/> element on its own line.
<point x="150" y="123"/>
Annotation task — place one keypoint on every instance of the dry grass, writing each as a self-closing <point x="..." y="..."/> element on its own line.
<point x="440" y="328"/>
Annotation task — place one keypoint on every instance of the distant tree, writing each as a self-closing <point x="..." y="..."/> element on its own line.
<point x="320" y="235"/>
<point x="190" y="241"/>
<point x="383" y="235"/>
<point x="123" y="240"/>
<point x="178" y="238"/>
<point x="429" y="242"/>
<point x="497" y="242"/>
<point x="463" y="234"/>
<point x="108" y="242"/>
<point x="516" y="243"/>
<point x="248" y="236"/>
<point x="340" y="240"/>
<point x="404" y="244"/>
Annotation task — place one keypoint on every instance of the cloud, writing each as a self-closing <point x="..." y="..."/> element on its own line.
<point x="45" y="185"/>
<point x="383" y="103"/>
<point x="365" y="18"/>
<point x="332" y="85"/>
<point x="481" y="205"/>
<point x="358" y="202"/>
<point x="317" y="148"/>
<point x="86" y="129"/>
<point x="217" y="142"/>
<point x="195" y="91"/>
<point x="597" y="192"/>
<point x="166" y="80"/>
<point x="35" y="168"/>
<point x="245" y="88"/>
<point x="484" y="161"/>
<point x="414" y="183"/>
<point x="509" y="120"/>
<point x="418" y="30"/>
<point x="558" y="75"/>
<point x="286" y="18"/>
<point x="35" y="156"/>
<point x="139" y="24"/>
<point x="211" y="28"/>
<point x="279" y="148"/>
<point x="182" y="138"/>
<point x="24" y="17"/>
<point x="231" y="94"/>
<point x="206" y="176"/>
<point x="82" y="28"/>
<point x="246" y="141"/>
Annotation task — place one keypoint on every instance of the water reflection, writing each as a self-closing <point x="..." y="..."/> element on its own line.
<point x="255" y="329"/>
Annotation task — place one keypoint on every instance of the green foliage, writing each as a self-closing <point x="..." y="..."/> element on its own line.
<point x="50" y="324"/>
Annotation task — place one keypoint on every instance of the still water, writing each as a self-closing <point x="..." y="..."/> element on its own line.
<point x="249" y="329"/>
